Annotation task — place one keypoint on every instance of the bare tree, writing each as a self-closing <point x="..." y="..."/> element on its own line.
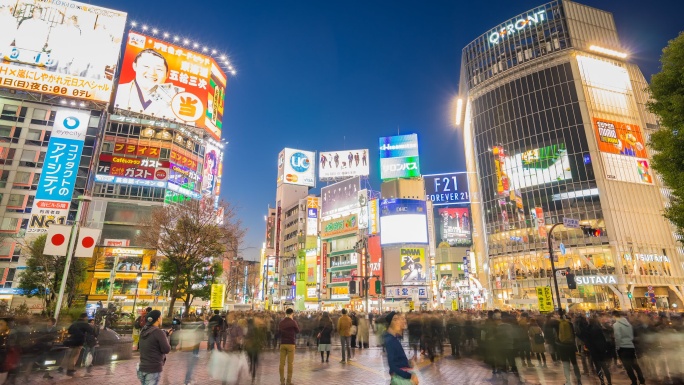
<point x="187" y="235"/>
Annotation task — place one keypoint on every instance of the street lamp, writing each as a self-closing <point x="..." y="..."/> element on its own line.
<point x="138" y="278"/>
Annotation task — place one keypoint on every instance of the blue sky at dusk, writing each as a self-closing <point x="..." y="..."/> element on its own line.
<point x="334" y="75"/>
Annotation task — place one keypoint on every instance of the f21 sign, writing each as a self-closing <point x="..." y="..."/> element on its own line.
<point x="447" y="189"/>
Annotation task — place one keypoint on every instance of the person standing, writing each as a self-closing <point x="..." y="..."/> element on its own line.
<point x="344" y="325"/>
<point x="537" y="342"/>
<point x="363" y="332"/>
<point x="154" y="346"/>
<point x="454" y="333"/>
<point x="215" y="326"/>
<point x="598" y="350"/>
<point x="138" y="325"/>
<point x="325" y="328"/>
<point x="78" y="332"/>
<point x="624" y="342"/>
<point x="288" y="333"/>
<point x="254" y="341"/>
<point x="396" y="356"/>
<point x="567" y="350"/>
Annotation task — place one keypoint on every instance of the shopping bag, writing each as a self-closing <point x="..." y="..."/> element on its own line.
<point x="88" y="360"/>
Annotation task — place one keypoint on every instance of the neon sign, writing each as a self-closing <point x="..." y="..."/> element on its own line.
<point x="519" y="25"/>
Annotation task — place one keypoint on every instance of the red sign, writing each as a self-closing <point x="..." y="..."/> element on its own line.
<point x="136" y="150"/>
<point x="324" y="261"/>
<point x="188" y="161"/>
<point x="375" y="262"/>
<point x="150" y="169"/>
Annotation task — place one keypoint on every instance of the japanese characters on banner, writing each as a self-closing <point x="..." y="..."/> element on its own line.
<point x="544" y="298"/>
<point x="210" y="170"/>
<point x="58" y="175"/>
<point x="623" y="151"/>
<point x="312" y="207"/>
<point x="375" y="262"/>
<point x="170" y="82"/>
<point x="60" y="47"/>
<point x="406" y="292"/>
<point x="150" y="169"/>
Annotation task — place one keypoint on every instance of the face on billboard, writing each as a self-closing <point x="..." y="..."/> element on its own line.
<point x="62" y="47"/>
<point x="212" y="158"/>
<point x="340" y="198"/>
<point x="166" y="81"/>
<point x="537" y="167"/>
<point x="452" y="226"/>
<point x="343" y="164"/>
<point x="298" y="167"/>
<point x="413" y="268"/>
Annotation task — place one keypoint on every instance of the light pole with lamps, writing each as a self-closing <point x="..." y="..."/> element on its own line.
<point x="138" y="278"/>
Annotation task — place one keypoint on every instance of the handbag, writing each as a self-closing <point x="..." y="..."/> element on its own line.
<point x="89" y="359"/>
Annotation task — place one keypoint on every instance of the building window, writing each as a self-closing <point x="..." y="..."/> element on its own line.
<point x="7" y="155"/>
<point x="23" y="178"/>
<point x="9" y="224"/>
<point x="16" y="201"/>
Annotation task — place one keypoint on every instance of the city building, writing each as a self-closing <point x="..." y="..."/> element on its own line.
<point x="555" y="126"/>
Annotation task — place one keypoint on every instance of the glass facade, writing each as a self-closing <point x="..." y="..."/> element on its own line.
<point x="560" y="132"/>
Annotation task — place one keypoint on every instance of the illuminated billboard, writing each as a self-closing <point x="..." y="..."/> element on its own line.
<point x="342" y="164"/>
<point x="399" y="157"/>
<point x="413" y="267"/>
<point x="340" y="198"/>
<point x="453" y="226"/>
<point x="403" y="221"/>
<point x="623" y="151"/>
<point x="210" y="170"/>
<point x="312" y="209"/>
<point x="167" y="81"/>
<point x="150" y="169"/>
<point x="537" y="167"/>
<point x="297" y="167"/>
<point x="58" y="175"/>
<point x="60" y="48"/>
<point x="445" y="189"/>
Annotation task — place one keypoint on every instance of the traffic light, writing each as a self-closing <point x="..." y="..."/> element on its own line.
<point x="352" y="287"/>
<point x="571" y="281"/>
<point x="592" y="231"/>
<point x="378" y="287"/>
<point x="629" y="294"/>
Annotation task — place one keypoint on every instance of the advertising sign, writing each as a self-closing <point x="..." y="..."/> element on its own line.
<point x="343" y="164"/>
<point x="60" y="47"/>
<point x="167" y="81"/>
<point x="537" y="215"/>
<point x="538" y="166"/>
<point x="623" y="151"/>
<point x="403" y="221"/>
<point x="413" y="268"/>
<point x="399" y="157"/>
<point x="210" y="171"/>
<point x="363" y="210"/>
<point x="297" y="167"/>
<point x="544" y="299"/>
<point x="374" y="214"/>
<point x="502" y="184"/>
<point x="453" y="226"/>
<point x="150" y="169"/>
<point x="375" y="262"/>
<point x="406" y="292"/>
<point x="217" y="295"/>
<point x="340" y="226"/>
<point x="270" y="232"/>
<point x="58" y="175"/>
<point x="340" y="198"/>
<point x="444" y="189"/>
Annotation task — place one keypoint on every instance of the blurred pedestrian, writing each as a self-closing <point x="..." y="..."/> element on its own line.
<point x="215" y="326"/>
<point x="537" y="342"/>
<point x="624" y="342"/>
<point x="567" y="350"/>
<point x="325" y="328"/>
<point x="396" y="356"/>
<point x="78" y="332"/>
<point x="255" y="340"/>
<point x="598" y="347"/>
<point x="154" y="346"/>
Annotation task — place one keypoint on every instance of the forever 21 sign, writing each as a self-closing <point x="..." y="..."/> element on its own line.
<point x="446" y="189"/>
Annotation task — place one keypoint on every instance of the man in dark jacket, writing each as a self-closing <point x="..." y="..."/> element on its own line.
<point x="154" y="346"/>
<point x="215" y="327"/>
<point x="77" y="338"/>
<point x="288" y="333"/>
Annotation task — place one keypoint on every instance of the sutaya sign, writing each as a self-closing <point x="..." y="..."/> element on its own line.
<point x="511" y="28"/>
<point x="595" y="280"/>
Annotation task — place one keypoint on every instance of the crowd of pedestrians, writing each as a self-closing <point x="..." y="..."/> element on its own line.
<point x="640" y="346"/>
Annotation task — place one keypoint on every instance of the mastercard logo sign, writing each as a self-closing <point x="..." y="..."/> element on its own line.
<point x="291" y="178"/>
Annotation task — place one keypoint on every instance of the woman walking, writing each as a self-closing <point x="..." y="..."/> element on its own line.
<point x="325" y="328"/>
<point x="254" y="342"/>
<point x="537" y="342"/>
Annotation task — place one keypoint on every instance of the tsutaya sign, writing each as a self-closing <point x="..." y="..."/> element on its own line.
<point x="595" y="280"/>
<point x="649" y="257"/>
<point x="511" y="28"/>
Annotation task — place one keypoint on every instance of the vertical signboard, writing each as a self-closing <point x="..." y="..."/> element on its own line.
<point x="58" y="175"/>
<point x="374" y="214"/>
<point x="375" y="263"/>
<point x="210" y="171"/>
<point x="363" y="210"/>
<point x="311" y="216"/>
<point x="171" y="82"/>
<point x="61" y="47"/>
<point x="544" y="299"/>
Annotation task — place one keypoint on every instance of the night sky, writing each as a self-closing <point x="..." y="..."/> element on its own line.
<point x="337" y="74"/>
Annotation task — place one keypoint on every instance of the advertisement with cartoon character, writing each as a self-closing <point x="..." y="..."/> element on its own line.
<point x="413" y="267"/>
<point x="623" y="151"/>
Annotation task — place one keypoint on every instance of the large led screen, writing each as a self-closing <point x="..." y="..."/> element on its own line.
<point x="60" y="47"/>
<point x="166" y="81"/>
<point x="623" y="150"/>
<point x="399" y="157"/>
<point x="343" y="164"/>
<point x="538" y="166"/>
<point x="403" y="221"/>
<point x="340" y="198"/>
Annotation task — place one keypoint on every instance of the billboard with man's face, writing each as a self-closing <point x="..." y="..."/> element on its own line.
<point x="166" y="81"/>
<point x="60" y="47"/>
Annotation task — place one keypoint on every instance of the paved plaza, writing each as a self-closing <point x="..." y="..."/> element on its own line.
<point x="368" y="367"/>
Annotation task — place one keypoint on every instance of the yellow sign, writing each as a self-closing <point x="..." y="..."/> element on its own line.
<point x="218" y="291"/>
<point x="545" y="299"/>
<point x="454" y="304"/>
<point x="412" y="305"/>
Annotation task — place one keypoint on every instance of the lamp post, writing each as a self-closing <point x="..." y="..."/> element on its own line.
<point x="138" y="278"/>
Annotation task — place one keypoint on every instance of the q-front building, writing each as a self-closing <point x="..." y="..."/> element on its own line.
<point x="555" y="126"/>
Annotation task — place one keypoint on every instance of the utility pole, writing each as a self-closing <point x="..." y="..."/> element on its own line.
<point x="553" y="265"/>
<point x="361" y="248"/>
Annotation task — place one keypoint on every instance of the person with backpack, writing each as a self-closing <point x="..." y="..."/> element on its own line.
<point x="537" y="342"/>
<point x="567" y="349"/>
<point x="624" y="342"/>
<point x="598" y="350"/>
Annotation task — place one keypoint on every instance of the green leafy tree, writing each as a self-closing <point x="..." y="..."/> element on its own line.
<point x="187" y="235"/>
<point x="43" y="275"/>
<point x="667" y="90"/>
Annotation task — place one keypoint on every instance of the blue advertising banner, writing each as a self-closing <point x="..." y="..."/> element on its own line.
<point x="398" y="146"/>
<point x="396" y="206"/>
<point x="445" y="189"/>
<point x="399" y="157"/>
